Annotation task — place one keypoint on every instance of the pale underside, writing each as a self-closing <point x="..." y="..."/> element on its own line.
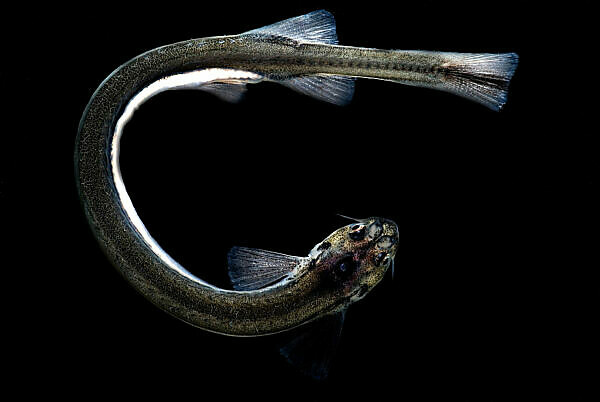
<point x="226" y="83"/>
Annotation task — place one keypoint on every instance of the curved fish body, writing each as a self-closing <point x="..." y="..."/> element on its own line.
<point x="273" y="292"/>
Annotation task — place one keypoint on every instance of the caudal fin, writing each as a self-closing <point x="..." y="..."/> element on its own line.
<point x="482" y="77"/>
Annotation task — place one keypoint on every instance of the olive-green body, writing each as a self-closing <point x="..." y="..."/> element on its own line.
<point x="259" y="312"/>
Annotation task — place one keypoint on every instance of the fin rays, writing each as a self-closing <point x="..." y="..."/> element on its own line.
<point x="482" y="77"/>
<point x="329" y="88"/>
<point x="251" y="269"/>
<point x="315" y="27"/>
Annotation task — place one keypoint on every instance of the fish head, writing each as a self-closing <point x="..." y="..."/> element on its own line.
<point x="354" y="258"/>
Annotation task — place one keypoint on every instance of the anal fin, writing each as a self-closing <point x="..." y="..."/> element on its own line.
<point x="328" y="88"/>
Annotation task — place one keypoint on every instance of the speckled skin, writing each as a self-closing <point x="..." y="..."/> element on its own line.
<point x="260" y="312"/>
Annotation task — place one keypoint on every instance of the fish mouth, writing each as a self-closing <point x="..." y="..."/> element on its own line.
<point x="389" y="236"/>
<point x="385" y="246"/>
<point x="391" y="228"/>
<point x="381" y="233"/>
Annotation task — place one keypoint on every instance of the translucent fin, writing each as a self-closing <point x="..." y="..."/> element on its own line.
<point x="329" y="88"/>
<point x="315" y="27"/>
<point x="227" y="92"/>
<point x="482" y="77"/>
<point x="312" y="350"/>
<point x="251" y="269"/>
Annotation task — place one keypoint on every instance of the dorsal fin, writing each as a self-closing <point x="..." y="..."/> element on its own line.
<point x="315" y="27"/>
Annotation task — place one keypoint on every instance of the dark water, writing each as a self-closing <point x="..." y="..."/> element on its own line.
<point x="486" y="204"/>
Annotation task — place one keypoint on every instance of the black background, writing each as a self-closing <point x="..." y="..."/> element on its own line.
<point x="483" y="306"/>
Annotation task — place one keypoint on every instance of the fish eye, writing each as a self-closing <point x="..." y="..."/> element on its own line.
<point x="357" y="232"/>
<point x="375" y="229"/>
<point x="345" y="268"/>
<point x="381" y="259"/>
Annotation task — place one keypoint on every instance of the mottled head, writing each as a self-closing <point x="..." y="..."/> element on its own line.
<point x="354" y="258"/>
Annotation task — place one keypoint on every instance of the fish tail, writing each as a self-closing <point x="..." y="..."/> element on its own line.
<point x="481" y="77"/>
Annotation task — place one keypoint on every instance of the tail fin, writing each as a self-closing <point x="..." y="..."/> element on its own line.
<point x="482" y="77"/>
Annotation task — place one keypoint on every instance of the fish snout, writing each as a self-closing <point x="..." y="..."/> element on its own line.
<point x="392" y="228"/>
<point x="389" y="238"/>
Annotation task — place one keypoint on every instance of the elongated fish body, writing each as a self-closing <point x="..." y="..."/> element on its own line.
<point x="273" y="292"/>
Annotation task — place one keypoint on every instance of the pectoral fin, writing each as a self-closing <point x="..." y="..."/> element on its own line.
<point x="251" y="269"/>
<point x="312" y="349"/>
